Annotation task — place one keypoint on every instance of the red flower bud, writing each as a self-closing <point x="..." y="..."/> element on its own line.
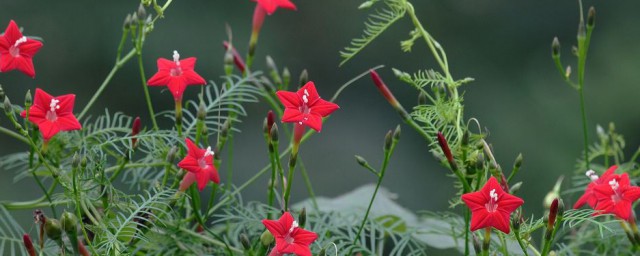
<point x="384" y="89"/>
<point x="28" y="245"/>
<point x="445" y="149"/>
<point x="270" y="119"/>
<point x="135" y="129"/>
<point x="553" y="213"/>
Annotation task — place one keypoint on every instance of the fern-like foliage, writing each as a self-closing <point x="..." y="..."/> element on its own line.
<point x="10" y="235"/>
<point x="219" y="102"/>
<point x="131" y="219"/>
<point x="375" y="25"/>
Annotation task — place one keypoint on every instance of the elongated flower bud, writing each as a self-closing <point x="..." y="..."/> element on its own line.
<point x="135" y="129"/>
<point x="591" y="18"/>
<point x="582" y="33"/>
<point x="382" y="87"/>
<point x="422" y="98"/>
<point x="28" y="244"/>
<point x="303" y="217"/>
<point x="270" y="119"/>
<point x="555" y="48"/>
<point x="8" y="108"/>
<point x="518" y="161"/>
<point x="75" y="161"/>
<point x="361" y="161"/>
<point x="274" y="132"/>
<point x="28" y="99"/>
<point x="244" y="240"/>
<point x="286" y="78"/>
<point x="553" y="212"/>
<point x="445" y="149"/>
<point x="396" y="133"/>
<point x="141" y="13"/>
<point x="304" y="78"/>
<point x="171" y="155"/>
<point x="127" y="22"/>
<point x="388" y="140"/>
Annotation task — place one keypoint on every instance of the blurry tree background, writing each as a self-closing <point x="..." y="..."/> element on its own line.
<point x="518" y="95"/>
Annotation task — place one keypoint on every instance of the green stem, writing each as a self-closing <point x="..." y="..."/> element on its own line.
<point x="307" y="182"/>
<point x="520" y="242"/>
<point x="146" y="90"/>
<point x="208" y="239"/>
<point x="466" y="231"/>
<point x="584" y="127"/>
<point x="47" y="194"/>
<point x="385" y="163"/>
<point x="292" y="167"/>
<point x="106" y="81"/>
<point x="14" y="134"/>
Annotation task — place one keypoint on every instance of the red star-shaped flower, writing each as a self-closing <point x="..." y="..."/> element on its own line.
<point x="52" y="114"/>
<point x="176" y="75"/>
<point x="305" y="107"/>
<point x="491" y="206"/>
<point x="199" y="164"/>
<point x="616" y="196"/>
<point x="589" y="197"/>
<point x="16" y="51"/>
<point x="271" y="5"/>
<point x="289" y="237"/>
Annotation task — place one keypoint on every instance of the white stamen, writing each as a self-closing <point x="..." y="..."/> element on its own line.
<point x="19" y="41"/>
<point x="54" y="105"/>
<point x="493" y="195"/>
<point x="614" y="184"/>
<point x="293" y="225"/>
<point x="300" y="123"/>
<point x="176" y="57"/>
<point x="306" y="92"/>
<point x="209" y="152"/>
<point x="304" y="98"/>
<point x="592" y="175"/>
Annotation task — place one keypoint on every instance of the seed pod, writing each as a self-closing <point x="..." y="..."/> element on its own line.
<point x="266" y="238"/>
<point x="69" y="222"/>
<point x="53" y="229"/>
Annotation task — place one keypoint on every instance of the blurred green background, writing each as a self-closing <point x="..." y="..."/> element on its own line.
<point x="518" y="95"/>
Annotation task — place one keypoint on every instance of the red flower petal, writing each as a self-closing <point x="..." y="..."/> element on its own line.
<point x="314" y="122"/>
<point x="323" y="107"/>
<point x="187" y="181"/>
<point x="289" y="99"/>
<point x="311" y="91"/>
<point x="12" y="33"/>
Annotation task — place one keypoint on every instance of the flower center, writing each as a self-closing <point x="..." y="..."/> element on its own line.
<point x="288" y="238"/>
<point x="51" y="114"/>
<point x="176" y="59"/>
<point x="202" y="162"/>
<point x="14" y="50"/>
<point x="615" y="186"/>
<point x="492" y="205"/>
<point x="304" y="109"/>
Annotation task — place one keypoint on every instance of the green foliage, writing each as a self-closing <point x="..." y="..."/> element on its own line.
<point x="375" y="25"/>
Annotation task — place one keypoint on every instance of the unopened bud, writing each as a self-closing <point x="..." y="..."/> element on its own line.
<point x="83" y="163"/>
<point x="69" y="222"/>
<point x="274" y="132"/>
<point x="388" y="140"/>
<point x="555" y="48"/>
<point x="266" y="238"/>
<point x="513" y="189"/>
<point x="553" y="212"/>
<point x="75" y="162"/>
<point x="560" y="208"/>
<point x="141" y="13"/>
<point x="553" y="194"/>
<point x="134" y="19"/>
<point x="52" y="229"/>
<point x="403" y="76"/>
<point x="518" y="161"/>
<point x="1" y="93"/>
<point x="244" y="239"/>
<point x="28" y="99"/>
<point x="135" y="129"/>
<point x="202" y="111"/>
<point x="361" y="161"/>
<point x="445" y="147"/>
<point x="591" y="18"/>
<point x="422" y="98"/>
<point x="127" y="22"/>
<point x="323" y="252"/>
<point x="302" y="219"/>
<point x="171" y="155"/>
<point x="228" y="58"/>
<point x="396" y="133"/>
<point x="567" y="71"/>
<point x="582" y="33"/>
<point x="476" y="243"/>
<point x="28" y="244"/>
<point x="225" y="128"/>
<point x="304" y="78"/>
<point x="515" y="221"/>
<point x="384" y="90"/>
<point x="270" y="119"/>
<point x="8" y="108"/>
<point x="271" y="64"/>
